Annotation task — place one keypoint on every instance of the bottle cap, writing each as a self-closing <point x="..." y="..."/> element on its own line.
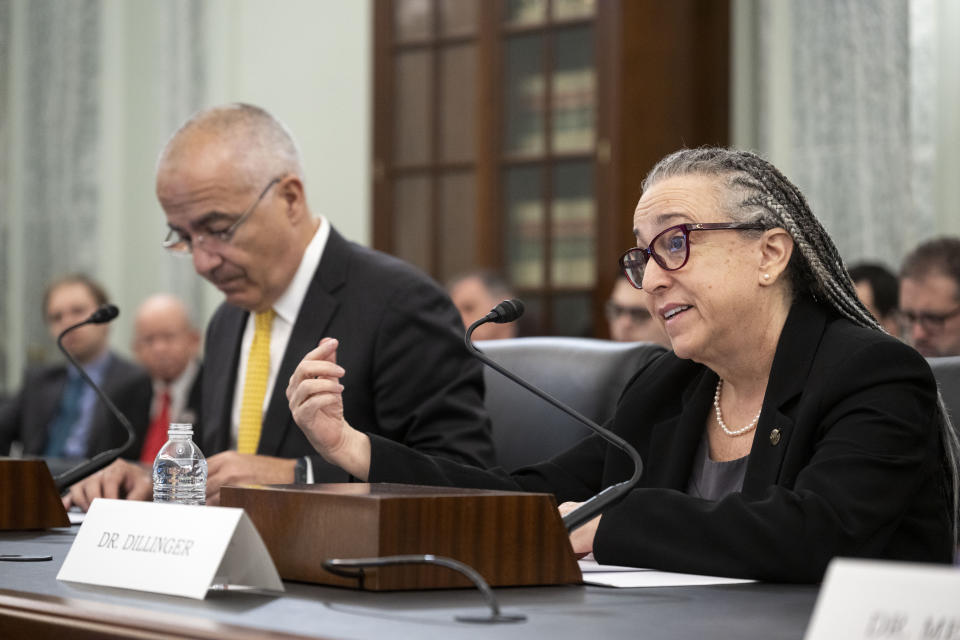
<point x="180" y="429"/>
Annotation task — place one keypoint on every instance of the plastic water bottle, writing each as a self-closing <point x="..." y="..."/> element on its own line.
<point x="180" y="470"/>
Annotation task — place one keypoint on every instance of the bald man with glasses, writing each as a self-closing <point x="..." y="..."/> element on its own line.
<point x="930" y="297"/>
<point x="231" y="185"/>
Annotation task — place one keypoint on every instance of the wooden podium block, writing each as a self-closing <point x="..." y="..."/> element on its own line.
<point x="510" y="538"/>
<point x="28" y="497"/>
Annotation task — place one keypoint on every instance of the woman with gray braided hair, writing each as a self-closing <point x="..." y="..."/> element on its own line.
<point x="784" y="429"/>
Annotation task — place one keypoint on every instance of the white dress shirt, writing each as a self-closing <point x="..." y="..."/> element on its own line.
<point x="287" y="307"/>
<point x="179" y="391"/>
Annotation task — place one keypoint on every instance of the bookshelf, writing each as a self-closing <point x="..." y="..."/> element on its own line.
<point x="513" y="134"/>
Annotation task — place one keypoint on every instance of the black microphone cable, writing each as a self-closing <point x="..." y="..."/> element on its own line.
<point x="508" y="311"/>
<point x="103" y="314"/>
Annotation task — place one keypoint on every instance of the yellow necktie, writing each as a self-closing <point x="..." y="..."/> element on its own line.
<point x="255" y="384"/>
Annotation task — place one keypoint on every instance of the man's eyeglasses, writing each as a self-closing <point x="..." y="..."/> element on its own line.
<point x="211" y="240"/>
<point x="637" y="315"/>
<point x="931" y="322"/>
<point x="671" y="248"/>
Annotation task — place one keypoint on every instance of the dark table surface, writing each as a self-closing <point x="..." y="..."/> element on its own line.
<point x="735" y="612"/>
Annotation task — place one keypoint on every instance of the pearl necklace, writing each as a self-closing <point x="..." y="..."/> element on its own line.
<point x="716" y="407"/>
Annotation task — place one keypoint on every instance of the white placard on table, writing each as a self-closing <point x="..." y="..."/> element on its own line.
<point x="883" y="600"/>
<point x="165" y="548"/>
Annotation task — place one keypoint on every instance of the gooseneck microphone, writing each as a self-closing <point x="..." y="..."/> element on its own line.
<point x="508" y="311"/>
<point x="103" y="314"/>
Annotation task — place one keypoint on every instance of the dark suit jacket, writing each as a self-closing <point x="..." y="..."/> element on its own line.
<point x="195" y="398"/>
<point x="409" y="378"/>
<point x="27" y="417"/>
<point x="858" y="468"/>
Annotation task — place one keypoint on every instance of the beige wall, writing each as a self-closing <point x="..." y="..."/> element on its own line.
<point x="307" y="61"/>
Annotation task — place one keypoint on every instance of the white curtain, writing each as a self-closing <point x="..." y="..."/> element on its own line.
<point x="50" y="135"/>
<point x="182" y="71"/>
<point x="846" y="97"/>
<point x="62" y="162"/>
<point x="4" y="184"/>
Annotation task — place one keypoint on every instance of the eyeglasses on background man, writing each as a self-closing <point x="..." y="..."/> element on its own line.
<point x="928" y="321"/>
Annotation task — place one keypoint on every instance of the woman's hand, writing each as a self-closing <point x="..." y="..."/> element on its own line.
<point x="316" y="402"/>
<point x="582" y="537"/>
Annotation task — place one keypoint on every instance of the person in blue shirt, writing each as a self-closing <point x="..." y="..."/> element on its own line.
<point x="56" y="414"/>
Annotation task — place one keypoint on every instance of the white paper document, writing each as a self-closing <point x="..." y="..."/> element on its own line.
<point x="613" y="576"/>
<point x="168" y="548"/>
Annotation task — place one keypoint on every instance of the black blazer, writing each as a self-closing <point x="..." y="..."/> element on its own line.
<point x="194" y="398"/>
<point x="27" y="416"/>
<point x="409" y="378"/>
<point x="846" y="461"/>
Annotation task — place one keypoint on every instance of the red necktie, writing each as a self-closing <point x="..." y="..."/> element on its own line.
<point x="157" y="431"/>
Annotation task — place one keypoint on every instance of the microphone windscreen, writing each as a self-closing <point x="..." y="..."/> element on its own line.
<point x="508" y="310"/>
<point x="105" y="313"/>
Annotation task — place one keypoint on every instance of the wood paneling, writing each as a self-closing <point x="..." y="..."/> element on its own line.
<point x="28" y="497"/>
<point x="510" y="538"/>
<point x="662" y="82"/>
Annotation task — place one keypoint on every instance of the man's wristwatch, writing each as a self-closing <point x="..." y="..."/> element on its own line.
<point x="300" y="471"/>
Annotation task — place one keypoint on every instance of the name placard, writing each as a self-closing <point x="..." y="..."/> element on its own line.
<point x="878" y="600"/>
<point x="172" y="549"/>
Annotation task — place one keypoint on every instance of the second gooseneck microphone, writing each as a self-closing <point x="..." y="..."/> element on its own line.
<point x="103" y="314"/>
<point x="508" y="311"/>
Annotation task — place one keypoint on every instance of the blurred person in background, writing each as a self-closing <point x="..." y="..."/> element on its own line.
<point x="58" y="415"/>
<point x="628" y="317"/>
<point x="167" y="344"/>
<point x="878" y="289"/>
<point x="474" y="294"/>
<point x="930" y="297"/>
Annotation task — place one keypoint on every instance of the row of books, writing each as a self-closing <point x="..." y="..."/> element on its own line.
<point x="573" y="104"/>
<point x="525" y="213"/>
<point x="524" y="12"/>
<point x="573" y="265"/>
<point x="573" y="233"/>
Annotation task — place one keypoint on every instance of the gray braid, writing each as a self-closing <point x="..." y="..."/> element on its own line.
<point x="758" y="192"/>
<point x="762" y="194"/>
